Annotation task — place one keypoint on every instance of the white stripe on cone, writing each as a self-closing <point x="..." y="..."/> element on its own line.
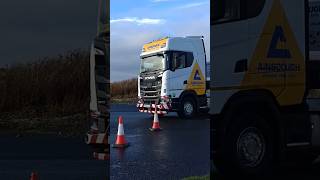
<point x="156" y="118"/>
<point x="120" y="129"/>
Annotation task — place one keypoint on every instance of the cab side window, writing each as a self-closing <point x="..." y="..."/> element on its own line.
<point x="235" y="10"/>
<point x="232" y="10"/>
<point x="189" y="59"/>
<point x="181" y="60"/>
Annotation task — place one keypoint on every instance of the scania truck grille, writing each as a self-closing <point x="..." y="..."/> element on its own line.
<point x="150" y="91"/>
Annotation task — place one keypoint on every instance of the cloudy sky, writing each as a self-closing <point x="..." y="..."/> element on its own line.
<point x="134" y="23"/>
<point x="36" y="28"/>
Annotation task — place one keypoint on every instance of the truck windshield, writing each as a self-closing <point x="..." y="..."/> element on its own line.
<point x="152" y="63"/>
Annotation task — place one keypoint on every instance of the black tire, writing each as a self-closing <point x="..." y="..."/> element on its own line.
<point x="248" y="146"/>
<point x="187" y="104"/>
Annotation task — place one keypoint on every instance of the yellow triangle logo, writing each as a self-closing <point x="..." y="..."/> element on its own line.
<point x="277" y="63"/>
<point x="197" y="81"/>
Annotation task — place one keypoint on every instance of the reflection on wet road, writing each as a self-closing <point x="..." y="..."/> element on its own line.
<point x="180" y="150"/>
<point x="51" y="156"/>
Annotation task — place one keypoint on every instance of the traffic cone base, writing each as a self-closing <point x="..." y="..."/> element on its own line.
<point x="121" y="140"/>
<point x="156" y="129"/>
<point x="120" y="145"/>
<point x="156" y="124"/>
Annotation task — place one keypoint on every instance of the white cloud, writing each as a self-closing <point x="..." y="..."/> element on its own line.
<point x="142" y="21"/>
<point x="192" y="5"/>
<point x="125" y="48"/>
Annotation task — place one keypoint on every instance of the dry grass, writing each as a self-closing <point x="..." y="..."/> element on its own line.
<point x="197" y="178"/>
<point x="48" y="88"/>
<point x="124" y="91"/>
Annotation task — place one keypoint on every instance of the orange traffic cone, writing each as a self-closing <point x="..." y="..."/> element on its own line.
<point x="34" y="176"/>
<point x="156" y="124"/>
<point x="120" y="141"/>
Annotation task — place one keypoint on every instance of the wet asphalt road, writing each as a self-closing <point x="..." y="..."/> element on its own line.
<point x="293" y="172"/>
<point x="180" y="150"/>
<point x="51" y="156"/>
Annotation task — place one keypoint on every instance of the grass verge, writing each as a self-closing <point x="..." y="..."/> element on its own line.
<point x="207" y="177"/>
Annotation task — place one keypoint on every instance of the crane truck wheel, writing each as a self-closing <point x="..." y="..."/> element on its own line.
<point x="187" y="108"/>
<point x="247" y="149"/>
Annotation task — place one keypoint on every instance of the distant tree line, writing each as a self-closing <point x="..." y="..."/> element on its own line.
<point x="127" y="89"/>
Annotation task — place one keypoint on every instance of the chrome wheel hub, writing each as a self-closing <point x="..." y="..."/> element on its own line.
<point x="251" y="147"/>
<point x="188" y="108"/>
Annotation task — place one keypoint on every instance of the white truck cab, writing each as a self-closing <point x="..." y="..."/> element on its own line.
<point x="173" y="76"/>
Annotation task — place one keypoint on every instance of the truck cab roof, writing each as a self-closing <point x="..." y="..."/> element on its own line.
<point x="188" y="43"/>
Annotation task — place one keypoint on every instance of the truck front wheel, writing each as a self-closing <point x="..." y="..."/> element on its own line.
<point x="248" y="146"/>
<point x="187" y="108"/>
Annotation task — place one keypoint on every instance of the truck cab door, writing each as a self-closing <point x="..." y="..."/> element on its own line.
<point x="179" y="72"/>
<point x="229" y="54"/>
<point x="266" y="50"/>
